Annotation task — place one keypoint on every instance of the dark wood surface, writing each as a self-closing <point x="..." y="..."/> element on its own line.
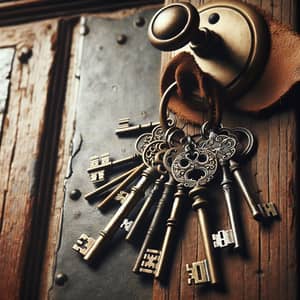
<point x="267" y="268"/>
<point x="33" y="170"/>
<point x="22" y="149"/>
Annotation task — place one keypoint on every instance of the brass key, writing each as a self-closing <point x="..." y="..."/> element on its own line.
<point x="167" y="193"/>
<point x="136" y="193"/>
<point x="120" y="187"/>
<point x="152" y="197"/>
<point x="198" y="196"/>
<point x="125" y="128"/>
<point x="171" y="227"/>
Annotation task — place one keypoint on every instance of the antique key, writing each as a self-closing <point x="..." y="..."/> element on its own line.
<point x="195" y="167"/>
<point x="106" y="234"/>
<point x="125" y="128"/>
<point x="153" y="196"/>
<point x="99" y="167"/>
<point x="224" y="147"/>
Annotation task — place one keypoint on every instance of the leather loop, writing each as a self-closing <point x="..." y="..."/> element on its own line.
<point x="197" y="91"/>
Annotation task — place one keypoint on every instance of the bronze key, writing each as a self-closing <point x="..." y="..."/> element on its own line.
<point x="152" y="197"/>
<point x="106" y="234"/>
<point x="168" y="191"/>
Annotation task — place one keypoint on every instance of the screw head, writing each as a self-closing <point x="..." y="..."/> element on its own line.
<point x="213" y="18"/>
<point x="140" y="22"/>
<point x="75" y="194"/>
<point x="24" y="54"/>
<point x="60" y="279"/>
<point x="121" y="39"/>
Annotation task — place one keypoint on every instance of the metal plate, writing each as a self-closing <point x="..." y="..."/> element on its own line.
<point x="116" y="81"/>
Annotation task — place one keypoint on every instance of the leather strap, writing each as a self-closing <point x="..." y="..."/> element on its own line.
<point x="279" y="81"/>
<point x="197" y="91"/>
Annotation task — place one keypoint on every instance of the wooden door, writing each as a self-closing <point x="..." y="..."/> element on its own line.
<point x="268" y="267"/>
<point x="37" y="131"/>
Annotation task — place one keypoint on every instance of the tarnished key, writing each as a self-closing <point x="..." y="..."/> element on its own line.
<point x="106" y="234"/>
<point x="151" y="198"/>
<point x="167" y="193"/>
<point x="171" y="227"/>
<point x="195" y="167"/>
<point x="104" y="188"/>
<point x="136" y="172"/>
<point x="199" y="196"/>
<point x="106" y="163"/>
<point x="125" y="128"/>
<point x="224" y="147"/>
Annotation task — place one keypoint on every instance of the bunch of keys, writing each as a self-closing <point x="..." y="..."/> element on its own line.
<point x="179" y="168"/>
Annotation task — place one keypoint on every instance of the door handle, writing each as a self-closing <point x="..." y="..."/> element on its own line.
<point x="230" y="40"/>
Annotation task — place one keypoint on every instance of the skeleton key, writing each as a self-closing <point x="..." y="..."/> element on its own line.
<point x="125" y="128"/>
<point x="171" y="226"/>
<point x="106" y="234"/>
<point x="168" y="191"/>
<point x="151" y="198"/>
<point x="224" y="147"/>
<point x="195" y="168"/>
<point x="104" y="188"/>
<point x="165" y="197"/>
<point x="133" y="175"/>
<point x="99" y="167"/>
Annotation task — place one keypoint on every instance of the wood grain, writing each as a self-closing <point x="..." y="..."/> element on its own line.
<point x="21" y="149"/>
<point x="267" y="268"/>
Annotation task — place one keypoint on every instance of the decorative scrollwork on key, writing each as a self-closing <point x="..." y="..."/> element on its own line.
<point x="223" y="146"/>
<point x="151" y="150"/>
<point x="196" y="166"/>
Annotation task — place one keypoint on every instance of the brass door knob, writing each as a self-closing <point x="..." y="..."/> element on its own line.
<point x="175" y="25"/>
<point x="229" y="39"/>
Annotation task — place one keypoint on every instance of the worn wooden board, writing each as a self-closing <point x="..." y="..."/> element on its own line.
<point x="28" y="151"/>
<point x="21" y="148"/>
<point x="267" y="268"/>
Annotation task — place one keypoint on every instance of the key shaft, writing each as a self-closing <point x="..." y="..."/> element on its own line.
<point x="110" y="164"/>
<point x="227" y="188"/>
<point x="167" y="193"/>
<point x="171" y="227"/>
<point x="235" y="169"/>
<point x="198" y="196"/>
<point x="106" y="201"/>
<point x="151" y="198"/>
<point x="104" y="188"/>
<point x="113" y="225"/>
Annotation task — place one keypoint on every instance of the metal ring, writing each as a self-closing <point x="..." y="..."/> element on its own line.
<point x="214" y="113"/>
<point x="163" y="108"/>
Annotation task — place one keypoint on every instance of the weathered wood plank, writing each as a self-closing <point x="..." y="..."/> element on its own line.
<point x="266" y="269"/>
<point x="21" y="146"/>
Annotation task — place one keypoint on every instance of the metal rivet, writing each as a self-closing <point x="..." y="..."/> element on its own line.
<point x="121" y="39"/>
<point x="24" y="54"/>
<point x="213" y="18"/>
<point x="140" y="22"/>
<point x="61" y="278"/>
<point x="75" y="194"/>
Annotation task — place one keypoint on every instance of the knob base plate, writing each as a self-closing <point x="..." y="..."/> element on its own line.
<point x="244" y="49"/>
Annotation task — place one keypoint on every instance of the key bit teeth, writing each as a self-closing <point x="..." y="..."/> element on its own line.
<point x="83" y="244"/>
<point x="198" y="272"/>
<point x="268" y="210"/>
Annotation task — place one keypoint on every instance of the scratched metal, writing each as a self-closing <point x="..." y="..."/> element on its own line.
<point x="6" y="59"/>
<point x="116" y="81"/>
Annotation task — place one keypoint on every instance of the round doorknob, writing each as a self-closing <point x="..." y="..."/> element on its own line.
<point x="173" y="26"/>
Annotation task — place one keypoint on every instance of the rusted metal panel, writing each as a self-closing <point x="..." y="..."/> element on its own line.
<point x="116" y="80"/>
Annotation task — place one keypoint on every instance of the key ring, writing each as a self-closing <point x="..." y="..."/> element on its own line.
<point x="214" y="115"/>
